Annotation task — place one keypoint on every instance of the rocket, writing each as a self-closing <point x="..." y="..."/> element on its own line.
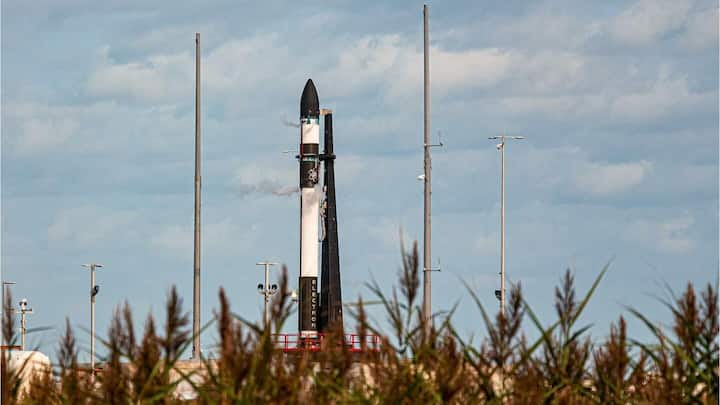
<point x="310" y="195"/>
<point x="318" y="312"/>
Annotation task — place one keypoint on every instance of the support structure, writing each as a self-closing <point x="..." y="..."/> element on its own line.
<point x="196" y="253"/>
<point x="500" y="294"/>
<point x="24" y="311"/>
<point x="267" y="290"/>
<point x="330" y="292"/>
<point x="94" y="290"/>
<point x="502" y="228"/>
<point x="427" y="290"/>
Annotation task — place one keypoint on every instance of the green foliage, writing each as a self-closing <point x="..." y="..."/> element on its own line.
<point x="561" y="366"/>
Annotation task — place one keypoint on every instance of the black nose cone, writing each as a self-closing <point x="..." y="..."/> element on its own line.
<point x="309" y="104"/>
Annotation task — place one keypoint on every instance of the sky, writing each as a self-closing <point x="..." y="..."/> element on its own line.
<point x="617" y="100"/>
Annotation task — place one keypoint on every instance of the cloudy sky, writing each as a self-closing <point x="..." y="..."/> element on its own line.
<point x="618" y="101"/>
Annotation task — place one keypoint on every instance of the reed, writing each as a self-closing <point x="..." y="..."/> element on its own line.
<point x="562" y="366"/>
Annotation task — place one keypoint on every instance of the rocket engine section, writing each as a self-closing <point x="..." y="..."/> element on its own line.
<point x="310" y="196"/>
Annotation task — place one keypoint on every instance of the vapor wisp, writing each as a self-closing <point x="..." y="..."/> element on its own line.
<point x="287" y="190"/>
<point x="253" y="180"/>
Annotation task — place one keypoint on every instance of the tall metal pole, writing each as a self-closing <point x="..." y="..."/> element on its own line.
<point x="266" y="290"/>
<point x="93" y="292"/>
<point x="92" y="319"/>
<point x="501" y="148"/>
<point x="24" y="310"/>
<point x="502" y="227"/>
<point x="23" y="329"/>
<point x="3" y="309"/>
<point x="267" y="297"/>
<point x="426" y="233"/>
<point x="196" y="255"/>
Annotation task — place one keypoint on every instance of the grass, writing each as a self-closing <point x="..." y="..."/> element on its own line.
<point x="562" y="366"/>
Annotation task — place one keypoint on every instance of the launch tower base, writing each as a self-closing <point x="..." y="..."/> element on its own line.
<point x="354" y="343"/>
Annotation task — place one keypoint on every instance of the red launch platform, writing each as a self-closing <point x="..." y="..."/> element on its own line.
<point x="293" y="342"/>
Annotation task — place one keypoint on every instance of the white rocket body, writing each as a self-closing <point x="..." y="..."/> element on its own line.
<point x="310" y="196"/>
<point x="310" y="213"/>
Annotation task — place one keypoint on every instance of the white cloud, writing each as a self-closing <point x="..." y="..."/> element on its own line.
<point x="666" y="95"/>
<point x="235" y="65"/>
<point x="177" y="37"/>
<point x="246" y="63"/>
<point x="40" y="134"/>
<point x="32" y="130"/>
<point x="88" y="225"/>
<point x="389" y="232"/>
<point x="550" y="71"/>
<point x="606" y="179"/>
<point x="546" y="28"/>
<point x="702" y="29"/>
<point x="472" y="68"/>
<point x="160" y="77"/>
<point x="396" y="63"/>
<point x="671" y="235"/>
<point x="36" y="128"/>
<point x="555" y="82"/>
<point x="647" y="20"/>
<point x="222" y="238"/>
<point x="487" y="244"/>
<point x="174" y="238"/>
<point x="368" y="61"/>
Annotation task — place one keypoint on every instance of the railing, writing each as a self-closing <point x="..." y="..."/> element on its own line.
<point x="294" y="342"/>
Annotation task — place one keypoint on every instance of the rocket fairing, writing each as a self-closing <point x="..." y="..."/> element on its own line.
<point x="310" y="195"/>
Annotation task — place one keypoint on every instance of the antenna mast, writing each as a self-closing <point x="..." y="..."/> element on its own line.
<point x="196" y="255"/>
<point x="427" y="311"/>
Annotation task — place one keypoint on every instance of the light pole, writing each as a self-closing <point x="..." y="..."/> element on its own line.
<point x="5" y="308"/>
<point x="266" y="289"/>
<point x="94" y="289"/>
<point x="501" y="147"/>
<point x="24" y="310"/>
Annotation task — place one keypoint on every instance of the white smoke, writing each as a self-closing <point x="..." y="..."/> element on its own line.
<point x="255" y="180"/>
<point x="287" y="190"/>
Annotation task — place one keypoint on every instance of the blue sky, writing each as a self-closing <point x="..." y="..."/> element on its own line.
<point x="618" y="102"/>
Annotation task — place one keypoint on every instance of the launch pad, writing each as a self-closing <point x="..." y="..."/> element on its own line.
<point x="353" y="343"/>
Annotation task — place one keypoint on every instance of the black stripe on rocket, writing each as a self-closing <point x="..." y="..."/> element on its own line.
<point x="309" y="164"/>
<point x="310" y="303"/>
